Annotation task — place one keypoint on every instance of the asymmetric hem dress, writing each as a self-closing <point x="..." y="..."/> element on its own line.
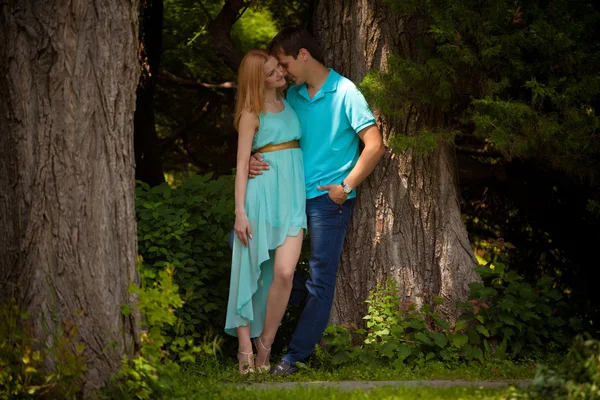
<point x="276" y="208"/>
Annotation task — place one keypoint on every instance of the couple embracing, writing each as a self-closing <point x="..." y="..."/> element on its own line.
<point x="303" y="173"/>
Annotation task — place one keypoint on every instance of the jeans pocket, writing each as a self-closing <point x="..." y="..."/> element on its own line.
<point x="337" y="207"/>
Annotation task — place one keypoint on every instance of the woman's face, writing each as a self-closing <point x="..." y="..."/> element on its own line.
<point x="274" y="75"/>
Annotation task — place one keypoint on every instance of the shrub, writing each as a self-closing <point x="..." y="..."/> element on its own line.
<point x="153" y="372"/>
<point x="578" y="377"/>
<point x="505" y="317"/>
<point x="23" y="374"/>
<point x="402" y="332"/>
<point x="528" y="317"/>
<point x="187" y="227"/>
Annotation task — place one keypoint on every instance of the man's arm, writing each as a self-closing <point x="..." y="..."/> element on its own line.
<point x="370" y="156"/>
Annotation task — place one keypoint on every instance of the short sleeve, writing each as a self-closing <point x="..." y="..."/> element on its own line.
<point x="357" y="110"/>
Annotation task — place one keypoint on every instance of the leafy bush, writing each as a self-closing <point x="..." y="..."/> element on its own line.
<point x="578" y="377"/>
<point x="404" y="333"/>
<point x="528" y="318"/>
<point x="187" y="227"/>
<point x="505" y="317"/>
<point x="22" y="371"/>
<point x="153" y="372"/>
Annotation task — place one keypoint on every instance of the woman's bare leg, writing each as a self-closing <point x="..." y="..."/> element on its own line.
<point x="245" y="355"/>
<point x="286" y="258"/>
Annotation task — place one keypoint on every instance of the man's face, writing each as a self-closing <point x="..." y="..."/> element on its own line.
<point x="295" y="69"/>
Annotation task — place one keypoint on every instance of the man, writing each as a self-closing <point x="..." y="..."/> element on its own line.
<point x="334" y="116"/>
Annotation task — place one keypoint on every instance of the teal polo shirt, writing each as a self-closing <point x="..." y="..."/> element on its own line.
<point x="330" y="122"/>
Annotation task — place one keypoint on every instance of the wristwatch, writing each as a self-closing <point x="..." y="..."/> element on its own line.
<point x="347" y="188"/>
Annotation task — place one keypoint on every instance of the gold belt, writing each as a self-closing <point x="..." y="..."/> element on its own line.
<point x="293" y="144"/>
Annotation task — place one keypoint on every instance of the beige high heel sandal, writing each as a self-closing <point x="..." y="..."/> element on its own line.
<point x="265" y="367"/>
<point x="245" y="363"/>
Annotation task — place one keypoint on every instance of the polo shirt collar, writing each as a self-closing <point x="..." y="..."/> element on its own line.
<point x="330" y="85"/>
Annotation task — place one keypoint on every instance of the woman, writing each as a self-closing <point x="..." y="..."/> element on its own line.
<point x="270" y="210"/>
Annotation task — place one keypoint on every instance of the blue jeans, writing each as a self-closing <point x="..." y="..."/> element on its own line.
<point x="327" y="224"/>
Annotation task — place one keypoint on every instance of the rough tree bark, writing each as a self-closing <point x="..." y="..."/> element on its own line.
<point x="407" y="222"/>
<point x="148" y="164"/>
<point x="68" y="74"/>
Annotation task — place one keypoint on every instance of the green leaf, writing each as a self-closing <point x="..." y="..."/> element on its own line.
<point x="483" y="330"/>
<point x="459" y="340"/>
<point x="439" y="339"/>
<point x="460" y="325"/>
<point x="397" y="330"/>
<point x="404" y="351"/>
<point x="442" y="323"/>
<point x="473" y="337"/>
<point x="388" y="349"/>
<point x="420" y="336"/>
<point x="341" y="357"/>
<point x="383" y="332"/>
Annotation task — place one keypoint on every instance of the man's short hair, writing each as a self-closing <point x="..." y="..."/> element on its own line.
<point x="290" y="40"/>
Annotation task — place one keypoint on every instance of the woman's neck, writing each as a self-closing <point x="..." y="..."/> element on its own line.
<point x="270" y="95"/>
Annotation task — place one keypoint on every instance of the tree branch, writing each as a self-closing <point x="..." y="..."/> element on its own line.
<point x="220" y="29"/>
<point x="169" y="78"/>
<point x="201" y="4"/>
<point x="479" y="152"/>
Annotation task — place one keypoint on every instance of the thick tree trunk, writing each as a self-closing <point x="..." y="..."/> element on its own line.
<point x="148" y="163"/>
<point x="68" y="73"/>
<point x="407" y="222"/>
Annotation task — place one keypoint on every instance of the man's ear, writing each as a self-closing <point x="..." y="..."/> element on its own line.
<point x="303" y="54"/>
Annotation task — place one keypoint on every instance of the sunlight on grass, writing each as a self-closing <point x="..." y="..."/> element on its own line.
<point x="212" y="369"/>
<point x="319" y="393"/>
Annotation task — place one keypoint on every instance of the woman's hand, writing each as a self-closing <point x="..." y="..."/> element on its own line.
<point x="242" y="228"/>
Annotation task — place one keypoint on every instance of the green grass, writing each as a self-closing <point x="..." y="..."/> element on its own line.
<point x="213" y="369"/>
<point x="198" y="390"/>
<point x="213" y="379"/>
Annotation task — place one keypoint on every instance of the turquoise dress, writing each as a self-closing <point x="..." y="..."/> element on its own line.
<point x="276" y="208"/>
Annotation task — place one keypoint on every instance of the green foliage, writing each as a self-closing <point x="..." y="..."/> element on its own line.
<point x="578" y="377"/>
<point x="150" y="373"/>
<point x="153" y="372"/>
<point x="202" y="389"/>
<point x="338" y="344"/>
<point x="424" y="143"/>
<point x="187" y="227"/>
<point x="401" y="332"/>
<point x="254" y="30"/>
<point x="187" y="42"/>
<point x="523" y="78"/>
<point x="22" y="371"/>
<point x="505" y="318"/>
<point x="527" y="320"/>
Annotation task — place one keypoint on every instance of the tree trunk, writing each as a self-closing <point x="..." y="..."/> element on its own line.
<point x="68" y="73"/>
<point x="407" y="222"/>
<point x="148" y="163"/>
<point x="220" y="31"/>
